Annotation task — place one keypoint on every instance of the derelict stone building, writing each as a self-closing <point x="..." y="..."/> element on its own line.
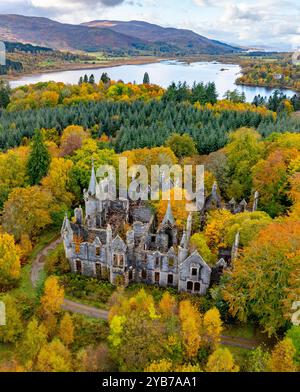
<point x="121" y="242"/>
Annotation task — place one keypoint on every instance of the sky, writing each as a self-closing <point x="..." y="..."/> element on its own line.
<point x="274" y="24"/>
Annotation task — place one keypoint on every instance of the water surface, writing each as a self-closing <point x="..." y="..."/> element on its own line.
<point x="162" y="73"/>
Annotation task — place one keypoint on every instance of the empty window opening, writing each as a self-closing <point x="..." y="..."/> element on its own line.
<point x="157" y="276"/>
<point x="170" y="279"/>
<point x="78" y="266"/>
<point x="144" y="274"/>
<point x="98" y="270"/>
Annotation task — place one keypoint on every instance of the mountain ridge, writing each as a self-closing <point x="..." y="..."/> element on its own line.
<point x="119" y="37"/>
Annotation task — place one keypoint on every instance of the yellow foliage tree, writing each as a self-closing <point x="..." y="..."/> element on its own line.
<point x="282" y="357"/>
<point x="164" y="365"/>
<point x="27" y="211"/>
<point x="54" y="357"/>
<point x="212" y="325"/>
<point x="35" y="338"/>
<point x="191" y="322"/>
<point x="10" y="266"/>
<point x="52" y="298"/>
<point x="221" y="360"/>
<point x="179" y="210"/>
<point x="167" y="305"/>
<point x="66" y="329"/>
<point x="12" y="330"/>
<point x="57" y="181"/>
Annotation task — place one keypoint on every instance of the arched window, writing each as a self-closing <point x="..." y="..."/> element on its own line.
<point x="189" y="286"/>
<point x="197" y="287"/>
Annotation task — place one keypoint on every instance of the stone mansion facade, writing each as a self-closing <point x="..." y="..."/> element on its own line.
<point x="120" y="241"/>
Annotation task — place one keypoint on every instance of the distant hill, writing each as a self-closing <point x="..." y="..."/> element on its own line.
<point x="109" y="36"/>
<point x="183" y="40"/>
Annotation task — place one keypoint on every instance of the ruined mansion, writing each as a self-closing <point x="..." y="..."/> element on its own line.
<point x="121" y="242"/>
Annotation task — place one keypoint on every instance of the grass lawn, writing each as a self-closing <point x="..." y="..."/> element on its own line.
<point x="246" y="331"/>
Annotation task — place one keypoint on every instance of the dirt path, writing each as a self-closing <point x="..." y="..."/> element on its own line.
<point x="77" y="307"/>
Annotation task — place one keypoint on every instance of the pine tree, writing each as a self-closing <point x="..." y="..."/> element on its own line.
<point x="85" y="79"/>
<point x="80" y="80"/>
<point x="4" y="94"/>
<point x="39" y="159"/>
<point x="92" y="79"/>
<point x="105" y="78"/>
<point x="146" y="79"/>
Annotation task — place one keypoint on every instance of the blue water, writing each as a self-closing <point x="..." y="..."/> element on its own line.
<point x="163" y="73"/>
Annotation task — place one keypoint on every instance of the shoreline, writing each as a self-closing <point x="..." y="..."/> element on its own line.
<point x="79" y="66"/>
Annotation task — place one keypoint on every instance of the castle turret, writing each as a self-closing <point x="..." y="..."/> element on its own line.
<point x="255" y="203"/>
<point x="67" y="235"/>
<point x="91" y="201"/>
<point x="235" y="247"/>
<point x="189" y="228"/>
<point x="78" y="213"/>
<point x="168" y="218"/>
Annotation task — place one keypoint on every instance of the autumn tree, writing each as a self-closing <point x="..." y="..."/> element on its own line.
<point x="164" y="365"/>
<point x="181" y="145"/>
<point x="52" y="298"/>
<point x="243" y="152"/>
<point x="58" y="180"/>
<point x="191" y="322"/>
<point x="179" y="207"/>
<point x="10" y="266"/>
<point x="35" y="338"/>
<point x="39" y="159"/>
<point x="167" y="305"/>
<point x="221" y="360"/>
<point x="54" y="357"/>
<point x="198" y="242"/>
<point x="270" y="179"/>
<point x="72" y="139"/>
<point x="258" y="360"/>
<point x="282" y="357"/>
<point x="212" y="326"/>
<point x="12" y="330"/>
<point x="66" y="329"/>
<point x="98" y="359"/>
<point x="131" y="320"/>
<point x="272" y="257"/>
<point x="82" y="159"/>
<point x="27" y="211"/>
<point x="13" y="169"/>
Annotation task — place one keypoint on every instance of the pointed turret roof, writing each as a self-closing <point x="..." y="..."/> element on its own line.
<point x="93" y="182"/>
<point x="168" y="218"/>
<point x="66" y="226"/>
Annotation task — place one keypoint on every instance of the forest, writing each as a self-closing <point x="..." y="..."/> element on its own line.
<point x="50" y="133"/>
<point x="136" y="116"/>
